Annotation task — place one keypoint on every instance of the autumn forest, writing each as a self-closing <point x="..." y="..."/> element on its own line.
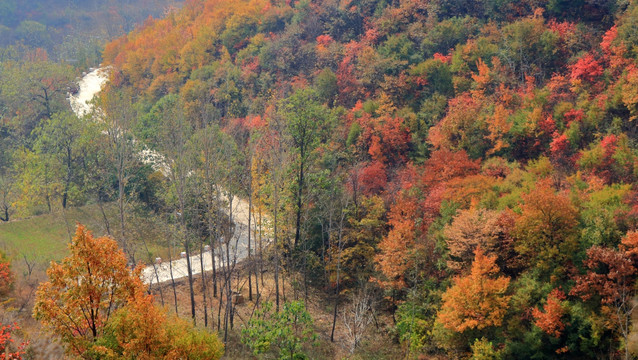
<point x="319" y="179"/>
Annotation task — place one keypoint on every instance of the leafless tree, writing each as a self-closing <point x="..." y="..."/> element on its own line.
<point x="118" y="115"/>
<point x="357" y="316"/>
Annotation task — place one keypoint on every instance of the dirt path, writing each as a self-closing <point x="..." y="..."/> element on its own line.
<point x="89" y="86"/>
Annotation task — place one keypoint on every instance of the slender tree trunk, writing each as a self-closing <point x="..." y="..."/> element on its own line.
<point x="261" y="251"/>
<point x="65" y="194"/>
<point x="256" y="266"/>
<point x="276" y="255"/>
<point x="170" y="266"/>
<point x="227" y="286"/>
<point x="283" y="284"/>
<point x="221" y="302"/>
<point x="46" y="183"/>
<point x="159" y="286"/>
<point x="48" y="203"/>
<point x="305" y="277"/>
<point x="214" y="262"/>
<point x="250" y="259"/>
<point x="67" y="180"/>
<point x="120" y="202"/>
<point x="336" y="304"/>
<point x="106" y="219"/>
<point x="228" y="275"/>
<point x="299" y="202"/>
<point x="336" y="298"/>
<point x="190" y="279"/>
<point x="212" y="232"/>
<point x="201" y="263"/>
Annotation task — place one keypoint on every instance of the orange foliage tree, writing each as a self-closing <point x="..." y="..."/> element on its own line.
<point x="100" y="308"/>
<point x="478" y="300"/>
<point x="414" y="210"/>
<point x="85" y="289"/>
<point x="396" y="249"/>
<point x="142" y="331"/>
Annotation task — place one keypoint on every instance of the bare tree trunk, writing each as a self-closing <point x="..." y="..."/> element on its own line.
<point x="300" y="185"/>
<point x="46" y="183"/>
<point x="106" y="219"/>
<point x="221" y="302"/>
<point x="159" y="286"/>
<point x="214" y="262"/>
<point x="170" y="266"/>
<point x="276" y="253"/>
<point x="227" y="286"/>
<point x="228" y="272"/>
<point x="261" y="250"/>
<point x="336" y="298"/>
<point x="201" y="263"/>
<point x="250" y="259"/>
<point x="283" y="283"/>
<point x="255" y="266"/>
<point x="120" y="194"/>
<point x="190" y="277"/>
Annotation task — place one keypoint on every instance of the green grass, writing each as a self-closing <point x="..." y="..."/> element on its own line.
<point x="45" y="237"/>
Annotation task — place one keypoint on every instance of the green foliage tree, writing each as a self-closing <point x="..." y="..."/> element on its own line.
<point x="307" y="124"/>
<point x="33" y="88"/>
<point x="62" y="139"/>
<point x="33" y="34"/>
<point x="284" y="333"/>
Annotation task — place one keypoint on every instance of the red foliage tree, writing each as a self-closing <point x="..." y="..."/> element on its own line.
<point x="372" y="178"/>
<point x="560" y="152"/>
<point x="6" y="341"/>
<point x="6" y="276"/>
<point x="550" y="319"/>
<point x="444" y="165"/>
<point x="587" y="69"/>
<point x="610" y="283"/>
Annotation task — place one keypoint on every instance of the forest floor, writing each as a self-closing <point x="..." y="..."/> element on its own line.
<point x="33" y="242"/>
<point x="377" y="342"/>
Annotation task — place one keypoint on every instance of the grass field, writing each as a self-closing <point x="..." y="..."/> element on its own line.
<point x="45" y="237"/>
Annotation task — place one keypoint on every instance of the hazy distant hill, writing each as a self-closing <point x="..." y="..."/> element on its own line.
<point x="57" y="25"/>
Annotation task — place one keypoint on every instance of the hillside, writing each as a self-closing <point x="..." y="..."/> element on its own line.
<point x="435" y="128"/>
<point x="451" y="179"/>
